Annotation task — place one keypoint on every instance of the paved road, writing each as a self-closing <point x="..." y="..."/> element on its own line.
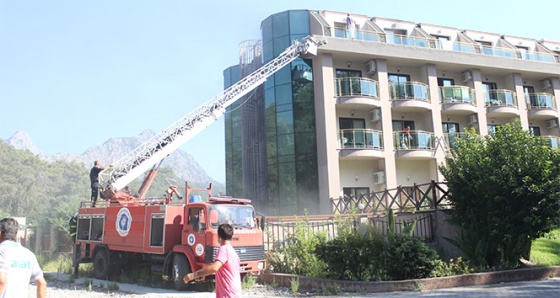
<point x="549" y="288"/>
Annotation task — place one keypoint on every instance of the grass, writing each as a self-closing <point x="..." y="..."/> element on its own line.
<point x="63" y="264"/>
<point x="545" y="251"/>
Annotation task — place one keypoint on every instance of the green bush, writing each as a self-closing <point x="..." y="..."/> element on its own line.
<point x="297" y="254"/>
<point x="454" y="267"/>
<point x="409" y="258"/>
<point x="356" y="255"/>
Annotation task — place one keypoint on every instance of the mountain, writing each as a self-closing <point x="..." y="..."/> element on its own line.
<point x="22" y="141"/>
<point x="183" y="164"/>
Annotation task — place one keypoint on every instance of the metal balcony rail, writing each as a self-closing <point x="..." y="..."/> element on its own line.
<point x="364" y="35"/>
<point x="451" y="138"/>
<point x="409" y="90"/>
<point x="540" y="100"/>
<point x="500" y="97"/>
<point x="553" y="141"/>
<point x="416" y="41"/>
<point x="356" y="86"/>
<point x="360" y="138"/>
<point x="413" y="140"/>
<point x="544" y="57"/>
<point x="453" y="94"/>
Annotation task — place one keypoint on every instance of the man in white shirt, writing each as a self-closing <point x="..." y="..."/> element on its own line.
<point x="18" y="265"/>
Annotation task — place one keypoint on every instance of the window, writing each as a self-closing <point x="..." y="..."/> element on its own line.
<point x="440" y="37"/>
<point x="348" y="73"/>
<point x="492" y="129"/>
<point x="451" y="133"/>
<point x="355" y="191"/>
<point x="405" y="140"/>
<point x="398" y="78"/>
<point x="535" y="131"/>
<point x="398" y="87"/>
<point x="445" y="82"/>
<point x="530" y="96"/>
<point x="490" y="96"/>
<point x="352" y="131"/>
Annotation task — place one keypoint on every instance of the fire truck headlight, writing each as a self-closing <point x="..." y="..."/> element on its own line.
<point x="260" y="266"/>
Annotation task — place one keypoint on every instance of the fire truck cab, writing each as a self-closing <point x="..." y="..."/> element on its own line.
<point x="173" y="236"/>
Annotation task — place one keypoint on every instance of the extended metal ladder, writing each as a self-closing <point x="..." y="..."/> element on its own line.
<point x="161" y="145"/>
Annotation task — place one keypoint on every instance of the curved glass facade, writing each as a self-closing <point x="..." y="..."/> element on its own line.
<point x="288" y="129"/>
<point x="290" y="121"/>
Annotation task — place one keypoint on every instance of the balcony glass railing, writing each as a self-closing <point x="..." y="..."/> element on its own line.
<point x="356" y="87"/>
<point x="501" y="52"/>
<point x="553" y="142"/>
<point x="409" y="90"/>
<point x="359" y="35"/>
<point x="451" y="94"/>
<point x="538" y="57"/>
<point x="361" y="138"/>
<point x="540" y="101"/>
<point x="415" y="41"/>
<point x="464" y="47"/>
<point x="500" y="97"/>
<point x="451" y="138"/>
<point x="415" y="139"/>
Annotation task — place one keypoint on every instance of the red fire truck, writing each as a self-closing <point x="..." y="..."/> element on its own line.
<point x="175" y="234"/>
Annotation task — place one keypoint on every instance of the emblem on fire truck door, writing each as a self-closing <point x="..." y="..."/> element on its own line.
<point x="124" y="221"/>
<point x="199" y="250"/>
<point x="191" y="239"/>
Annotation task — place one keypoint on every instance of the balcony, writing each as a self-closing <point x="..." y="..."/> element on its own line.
<point x="465" y="47"/>
<point x="541" y="106"/>
<point x="359" y="35"/>
<point x="501" y="103"/>
<point x="357" y="91"/>
<point x="416" y="144"/>
<point x="500" y="52"/>
<point x="553" y="141"/>
<point x="410" y="95"/>
<point x="415" y="41"/>
<point x="460" y="99"/>
<point x="451" y="138"/>
<point x="360" y="143"/>
<point x="538" y="57"/>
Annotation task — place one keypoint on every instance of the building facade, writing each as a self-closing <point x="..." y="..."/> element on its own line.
<point x="379" y="107"/>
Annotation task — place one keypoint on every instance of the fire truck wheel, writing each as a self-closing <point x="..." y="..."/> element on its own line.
<point x="101" y="265"/>
<point x="180" y="269"/>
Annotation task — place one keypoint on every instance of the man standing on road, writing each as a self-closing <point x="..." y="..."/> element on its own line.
<point x="226" y="267"/>
<point x="18" y="265"/>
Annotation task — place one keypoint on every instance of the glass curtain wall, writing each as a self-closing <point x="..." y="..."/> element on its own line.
<point x="289" y="121"/>
<point x="233" y="130"/>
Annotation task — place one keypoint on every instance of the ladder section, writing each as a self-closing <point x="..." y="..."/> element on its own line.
<point x="145" y="156"/>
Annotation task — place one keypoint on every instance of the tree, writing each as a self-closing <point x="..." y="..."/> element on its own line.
<point x="505" y="190"/>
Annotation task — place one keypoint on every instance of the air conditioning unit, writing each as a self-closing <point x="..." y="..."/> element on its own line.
<point x="379" y="177"/>
<point x="552" y="123"/>
<point x="473" y="119"/>
<point x="467" y="76"/>
<point x="375" y="115"/>
<point x="371" y="67"/>
<point x="545" y="84"/>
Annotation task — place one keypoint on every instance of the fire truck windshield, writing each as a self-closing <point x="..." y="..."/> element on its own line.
<point x="236" y="215"/>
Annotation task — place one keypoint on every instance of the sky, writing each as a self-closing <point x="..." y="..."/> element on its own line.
<point x="75" y="73"/>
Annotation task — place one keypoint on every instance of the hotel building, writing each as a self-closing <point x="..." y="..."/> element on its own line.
<point x="378" y="107"/>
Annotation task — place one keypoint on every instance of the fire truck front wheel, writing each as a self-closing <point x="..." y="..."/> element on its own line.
<point x="101" y="265"/>
<point x="180" y="269"/>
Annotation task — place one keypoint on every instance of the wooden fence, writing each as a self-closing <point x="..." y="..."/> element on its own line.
<point x="418" y="197"/>
<point x="280" y="229"/>
<point x="417" y="202"/>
